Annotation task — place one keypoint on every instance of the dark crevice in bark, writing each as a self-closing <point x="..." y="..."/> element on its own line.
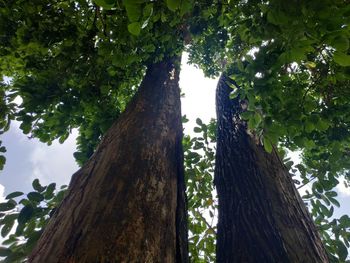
<point x="261" y="215"/>
<point x="127" y="203"/>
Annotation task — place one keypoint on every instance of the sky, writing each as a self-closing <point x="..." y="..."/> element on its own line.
<point x="28" y="159"/>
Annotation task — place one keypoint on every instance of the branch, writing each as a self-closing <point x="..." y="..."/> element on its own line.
<point x="205" y="221"/>
<point x="306" y="183"/>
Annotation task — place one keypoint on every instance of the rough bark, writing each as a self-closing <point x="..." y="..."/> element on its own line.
<point x="127" y="204"/>
<point x="261" y="215"/>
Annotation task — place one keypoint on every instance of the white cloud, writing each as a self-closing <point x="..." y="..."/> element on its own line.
<point x="54" y="163"/>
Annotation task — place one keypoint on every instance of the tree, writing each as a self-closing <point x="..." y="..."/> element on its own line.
<point x="139" y="161"/>
<point x="287" y="70"/>
<point x="133" y="181"/>
<point x="77" y="64"/>
<point x="261" y="215"/>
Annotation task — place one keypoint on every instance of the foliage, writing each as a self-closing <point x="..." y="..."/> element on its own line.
<point x="7" y="109"/>
<point x="75" y="65"/>
<point x="202" y="201"/>
<point x="23" y="222"/>
<point x="285" y="57"/>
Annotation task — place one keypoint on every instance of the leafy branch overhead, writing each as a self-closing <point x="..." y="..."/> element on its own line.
<point x="282" y="66"/>
<point x="75" y="65"/>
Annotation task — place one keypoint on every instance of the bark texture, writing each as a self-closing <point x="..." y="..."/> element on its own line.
<point x="262" y="217"/>
<point x="127" y="204"/>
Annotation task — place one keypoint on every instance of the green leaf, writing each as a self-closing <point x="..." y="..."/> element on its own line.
<point x="184" y="119"/>
<point x="63" y="138"/>
<point x="14" y="194"/>
<point x="257" y="118"/>
<point x="309" y="126"/>
<point x="9" y="218"/>
<point x="35" y="197"/>
<point x="163" y="17"/>
<point x="246" y="115"/>
<point x="197" y="129"/>
<point x="105" y="4"/>
<point x="324" y="199"/>
<point x="134" y="28"/>
<point x="173" y="4"/>
<point x="298" y="140"/>
<point x="110" y="2"/>
<point x="19" y="229"/>
<point x="310" y="64"/>
<point x="331" y="194"/>
<point x="267" y="145"/>
<point x="342" y="250"/>
<point x="234" y="94"/>
<point x="334" y="201"/>
<point x="322" y="125"/>
<point x="251" y="123"/>
<point x="341" y="43"/>
<point x="133" y="9"/>
<point x="342" y="59"/>
<point x="277" y="17"/>
<point x="185" y="7"/>
<point x="324" y="210"/>
<point x="289" y="164"/>
<point x="49" y="193"/>
<point x="5" y="230"/>
<point x="148" y="10"/>
<point x="150" y="48"/>
<point x="4" y="251"/>
<point x="2" y="161"/>
<point x="25" y="214"/>
<point x="199" y="122"/>
<point x="345" y="221"/>
<point x="309" y="143"/>
<point x="37" y="186"/>
<point x="210" y="231"/>
<point x="7" y="206"/>
<point x="297" y="54"/>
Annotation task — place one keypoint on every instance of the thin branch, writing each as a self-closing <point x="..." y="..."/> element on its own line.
<point x="306" y="183"/>
<point x="205" y="221"/>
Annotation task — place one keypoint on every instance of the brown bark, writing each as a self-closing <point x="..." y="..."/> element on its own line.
<point x="127" y="204"/>
<point x="261" y="215"/>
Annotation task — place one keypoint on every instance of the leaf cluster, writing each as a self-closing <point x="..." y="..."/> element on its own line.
<point x="76" y="64"/>
<point x="22" y="222"/>
<point x="7" y="110"/>
<point x="199" y="157"/>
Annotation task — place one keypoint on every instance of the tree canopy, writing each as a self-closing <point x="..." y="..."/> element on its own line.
<point x="76" y="64"/>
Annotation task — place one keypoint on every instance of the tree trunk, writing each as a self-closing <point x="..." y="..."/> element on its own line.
<point x="127" y="203"/>
<point x="261" y="215"/>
